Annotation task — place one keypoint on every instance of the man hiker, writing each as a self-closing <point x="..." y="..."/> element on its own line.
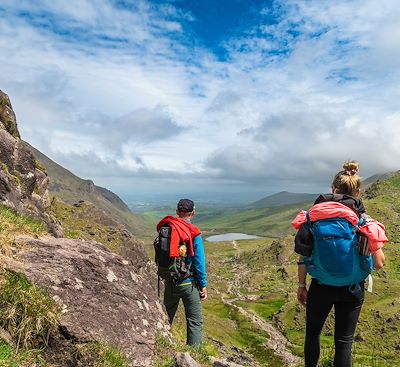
<point x="188" y="279"/>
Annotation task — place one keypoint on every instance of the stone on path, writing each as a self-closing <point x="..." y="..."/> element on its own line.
<point x="185" y="360"/>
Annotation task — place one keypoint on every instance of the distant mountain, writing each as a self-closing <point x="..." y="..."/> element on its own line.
<point x="72" y="189"/>
<point x="283" y="198"/>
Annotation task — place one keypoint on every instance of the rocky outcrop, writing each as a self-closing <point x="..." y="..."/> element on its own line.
<point x="87" y="186"/>
<point x="23" y="186"/>
<point x="102" y="296"/>
<point x="7" y="116"/>
<point x="282" y="249"/>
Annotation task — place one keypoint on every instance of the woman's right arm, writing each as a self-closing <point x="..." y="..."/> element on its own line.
<point x="378" y="259"/>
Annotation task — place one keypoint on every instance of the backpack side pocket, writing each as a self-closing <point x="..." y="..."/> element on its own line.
<point x="303" y="242"/>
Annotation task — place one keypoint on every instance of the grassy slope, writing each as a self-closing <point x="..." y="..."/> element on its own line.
<point x="271" y="222"/>
<point x="202" y="214"/>
<point x="87" y="222"/>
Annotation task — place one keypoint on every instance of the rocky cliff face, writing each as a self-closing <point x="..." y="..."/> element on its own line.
<point x="102" y="296"/>
<point x="23" y="186"/>
<point x="7" y="116"/>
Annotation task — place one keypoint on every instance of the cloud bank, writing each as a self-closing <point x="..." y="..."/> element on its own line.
<point x="126" y="93"/>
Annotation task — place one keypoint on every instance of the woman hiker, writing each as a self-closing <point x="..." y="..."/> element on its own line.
<point x="337" y="274"/>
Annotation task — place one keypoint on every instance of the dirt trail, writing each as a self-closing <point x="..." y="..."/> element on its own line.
<point x="276" y="342"/>
<point x="235" y="245"/>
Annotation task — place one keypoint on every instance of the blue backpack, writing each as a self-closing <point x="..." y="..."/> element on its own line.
<point x="336" y="258"/>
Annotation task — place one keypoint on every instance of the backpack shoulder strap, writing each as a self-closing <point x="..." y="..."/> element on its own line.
<point x="308" y="219"/>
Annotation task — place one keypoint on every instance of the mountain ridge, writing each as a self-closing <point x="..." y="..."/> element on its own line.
<point x="282" y="198"/>
<point x="72" y="189"/>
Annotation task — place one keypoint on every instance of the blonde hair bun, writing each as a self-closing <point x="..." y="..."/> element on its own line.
<point x="351" y="167"/>
<point x="347" y="182"/>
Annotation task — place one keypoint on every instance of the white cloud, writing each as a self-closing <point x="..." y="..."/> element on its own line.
<point x="128" y="87"/>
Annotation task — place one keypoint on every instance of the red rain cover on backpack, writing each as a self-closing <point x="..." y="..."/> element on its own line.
<point x="181" y="231"/>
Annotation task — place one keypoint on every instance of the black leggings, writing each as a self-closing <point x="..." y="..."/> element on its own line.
<point x="320" y="300"/>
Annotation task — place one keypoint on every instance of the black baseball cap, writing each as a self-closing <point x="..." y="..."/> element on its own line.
<point x="185" y="205"/>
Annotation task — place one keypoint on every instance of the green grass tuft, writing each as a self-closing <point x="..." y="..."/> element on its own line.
<point x="101" y="354"/>
<point x="39" y="166"/>
<point x="111" y="357"/>
<point x="29" y="358"/>
<point x="12" y="224"/>
<point x="26" y="312"/>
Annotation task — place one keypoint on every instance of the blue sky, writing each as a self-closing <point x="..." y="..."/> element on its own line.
<point x="213" y="22"/>
<point x="157" y="96"/>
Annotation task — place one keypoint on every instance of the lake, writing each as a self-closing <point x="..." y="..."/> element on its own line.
<point x="231" y="237"/>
